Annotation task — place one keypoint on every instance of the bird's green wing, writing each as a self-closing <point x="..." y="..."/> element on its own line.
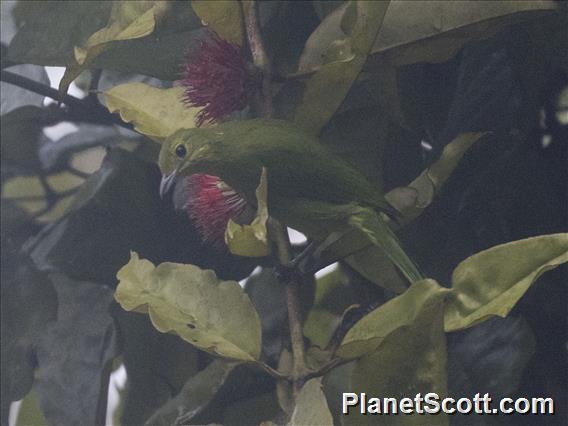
<point x="298" y="165"/>
<point x="381" y="235"/>
<point x="363" y="238"/>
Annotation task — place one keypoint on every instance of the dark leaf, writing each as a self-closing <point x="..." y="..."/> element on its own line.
<point x="21" y="130"/>
<point x="197" y="392"/>
<point x="411" y="360"/>
<point x="29" y="305"/>
<point x="49" y="30"/>
<point x="157" y="366"/>
<point x="75" y="353"/>
<point x="491" y="357"/>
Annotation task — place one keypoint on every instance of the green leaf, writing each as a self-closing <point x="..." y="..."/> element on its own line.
<point x="433" y="32"/>
<point x="213" y="315"/>
<point x="251" y="240"/>
<point x="400" y="312"/>
<point x="411" y="360"/>
<point x="29" y="193"/>
<point x="53" y="28"/>
<point x="157" y="113"/>
<point x="418" y="31"/>
<point x="413" y="199"/>
<point x="491" y="282"/>
<point x="30" y="412"/>
<point x="128" y="20"/>
<point x="161" y="54"/>
<point x="250" y="411"/>
<point x="320" y="325"/>
<point x="222" y="16"/>
<point x="311" y="406"/>
<point x="343" y="60"/>
<point x="325" y="7"/>
<point x="197" y="392"/>
<point x="49" y="30"/>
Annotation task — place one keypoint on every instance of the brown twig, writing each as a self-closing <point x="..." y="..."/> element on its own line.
<point x="277" y="230"/>
<point x="259" y="55"/>
<point x="80" y="110"/>
<point x="271" y="371"/>
<point x="299" y="370"/>
<point x="335" y="362"/>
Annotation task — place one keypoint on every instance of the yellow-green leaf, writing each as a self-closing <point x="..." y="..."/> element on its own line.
<point x="423" y="31"/>
<point x="413" y="199"/>
<point x="327" y="88"/>
<point x="223" y="16"/>
<point x="433" y="31"/>
<point x="29" y="193"/>
<point x="311" y="406"/>
<point x="491" y="282"/>
<point x="402" y="311"/>
<point x="251" y="240"/>
<point x="30" y="412"/>
<point x="213" y="315"/>
<point x="128" y="20"/>
<point x="411" y="360"/>
<point x="157" y="113"/>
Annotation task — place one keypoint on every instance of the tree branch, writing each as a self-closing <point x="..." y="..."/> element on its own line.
<point x="299" y="369"/>
<point x="259" y="56"/>
<point x="278" y="231"/>
<point x="79" y="110"/>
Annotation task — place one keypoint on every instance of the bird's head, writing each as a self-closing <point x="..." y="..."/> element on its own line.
<point x="182" y="154"/>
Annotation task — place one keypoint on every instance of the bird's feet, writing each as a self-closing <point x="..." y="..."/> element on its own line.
<point x="302" y="264"/>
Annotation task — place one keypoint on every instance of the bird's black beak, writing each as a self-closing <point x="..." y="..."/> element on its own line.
<point x="167" y="183"/>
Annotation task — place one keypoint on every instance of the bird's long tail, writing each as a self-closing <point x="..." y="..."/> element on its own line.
<point x="381" y="235"/>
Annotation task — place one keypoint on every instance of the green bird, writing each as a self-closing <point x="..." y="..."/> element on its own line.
<point x="309" y="188"/>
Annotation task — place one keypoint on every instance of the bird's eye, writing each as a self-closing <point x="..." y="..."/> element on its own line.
<point x="181" y="151"/>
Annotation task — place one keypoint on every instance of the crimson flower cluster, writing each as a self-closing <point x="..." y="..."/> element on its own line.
<point x="219" y="80"/>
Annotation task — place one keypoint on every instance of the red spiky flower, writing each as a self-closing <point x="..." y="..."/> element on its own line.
<point x="210" y="203"/>
<point x="218" y="78"/>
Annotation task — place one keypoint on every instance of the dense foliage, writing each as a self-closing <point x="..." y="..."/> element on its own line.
<point x="456" y="111"/>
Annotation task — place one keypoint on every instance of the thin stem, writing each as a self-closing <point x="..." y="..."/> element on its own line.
<point x="299" y="369"/>
<point x="296" y="334"/>
<point x="335" y="362"/>
<point x="80" y="110"/>
<point x="279" y="234"/>
<point x="271" y="371"/>
<point x="259" y="55"/>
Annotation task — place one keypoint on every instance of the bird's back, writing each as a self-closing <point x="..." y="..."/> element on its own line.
<point x="298" y="165"/>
